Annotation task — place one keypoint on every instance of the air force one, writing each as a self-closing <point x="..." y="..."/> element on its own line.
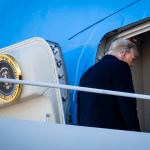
<point x="45" y="47"/>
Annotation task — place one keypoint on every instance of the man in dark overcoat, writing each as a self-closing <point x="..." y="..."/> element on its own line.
<point x="112" y="72"/>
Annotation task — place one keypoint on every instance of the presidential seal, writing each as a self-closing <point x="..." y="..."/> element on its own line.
<point x="9" y="68"/>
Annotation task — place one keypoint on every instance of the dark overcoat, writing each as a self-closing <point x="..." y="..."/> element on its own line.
<point x="107" y="111"/>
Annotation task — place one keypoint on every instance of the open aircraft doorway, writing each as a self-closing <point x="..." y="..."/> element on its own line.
<point x="139" y="33"/>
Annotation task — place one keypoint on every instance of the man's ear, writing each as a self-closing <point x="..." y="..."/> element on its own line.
<point x="123" y="54"/>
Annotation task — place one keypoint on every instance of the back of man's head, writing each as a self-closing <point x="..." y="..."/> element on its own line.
<point x="122" y="45"/>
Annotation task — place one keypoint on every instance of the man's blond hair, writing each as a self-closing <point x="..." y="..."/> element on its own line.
<point x="122" y="45"/>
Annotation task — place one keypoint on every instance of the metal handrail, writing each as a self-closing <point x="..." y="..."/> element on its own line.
<point x="78" y="88"/>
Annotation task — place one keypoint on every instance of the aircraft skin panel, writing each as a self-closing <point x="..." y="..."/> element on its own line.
<point x="52" y="20"/>
<point x="28" y="135"/>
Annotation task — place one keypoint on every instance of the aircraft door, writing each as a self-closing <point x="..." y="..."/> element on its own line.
<point x="37" y="63"/>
